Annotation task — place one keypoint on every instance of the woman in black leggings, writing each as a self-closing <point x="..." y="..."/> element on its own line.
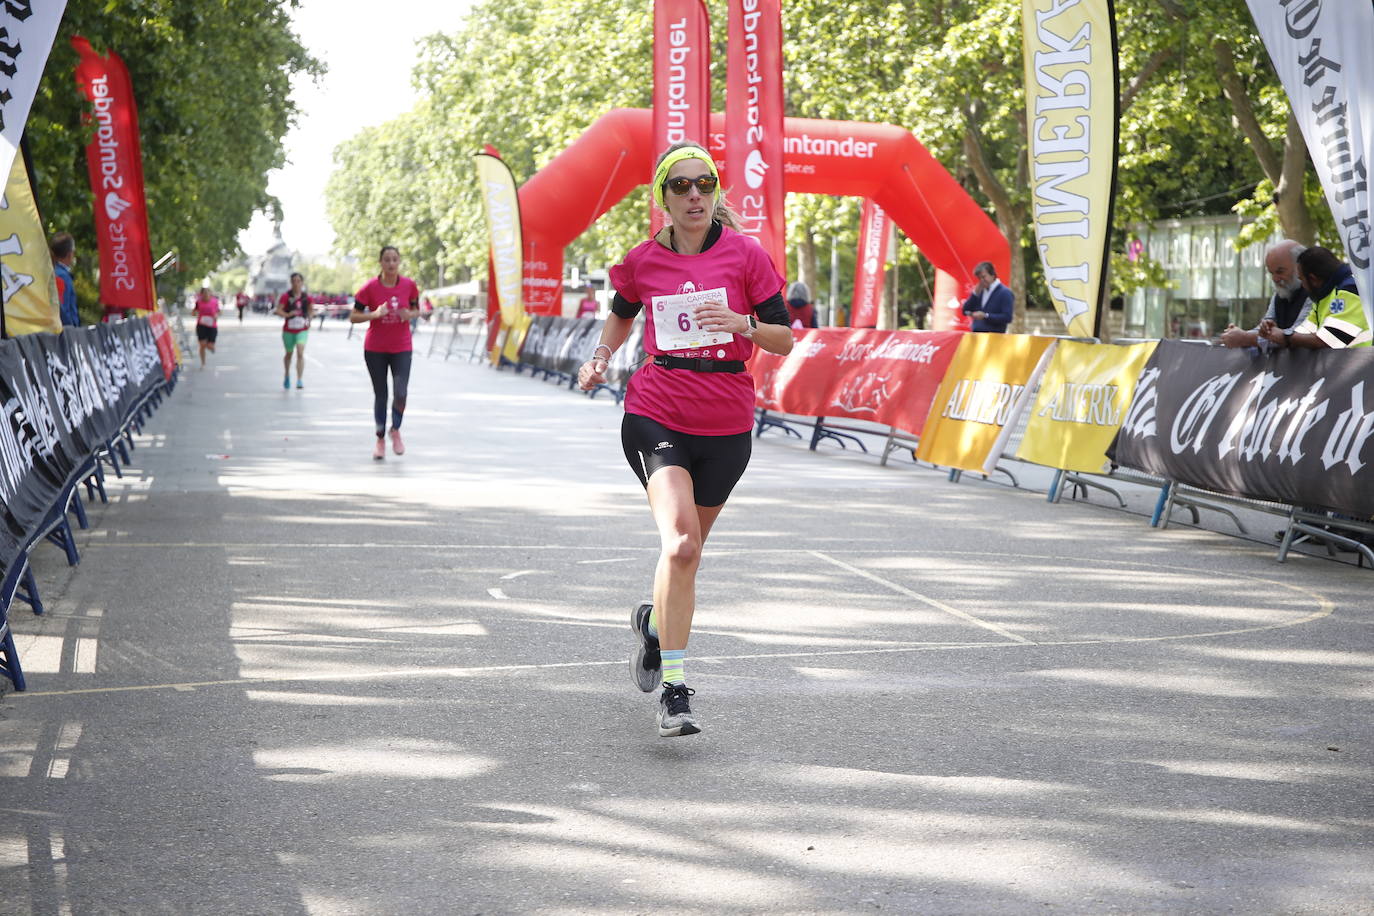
<point x="387" y="302"/>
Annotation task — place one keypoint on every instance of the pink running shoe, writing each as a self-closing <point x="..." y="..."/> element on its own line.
<point x="397" y="445"/>
<point x="379" y="450"/>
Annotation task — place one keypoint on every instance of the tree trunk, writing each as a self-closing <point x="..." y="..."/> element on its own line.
<point x="1294" y="216"/>
<point x="806" y="262"/>
<point x="1011" y="218"/>
<point x="1285" y="173"/>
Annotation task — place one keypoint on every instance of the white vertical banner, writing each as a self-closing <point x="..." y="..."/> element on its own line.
<point x="27" y="29"/>
<point x="1324" y="54"/>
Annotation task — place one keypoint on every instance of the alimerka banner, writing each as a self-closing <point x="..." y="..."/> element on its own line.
<point x="876" y="235"/>
<point x="886" y="377"/>
<point x="1071" y="113"/>
<point x="62" y="397"/>
<point x="1294" y="426"/>
<point x="502" y="206"/>
<point x="26" y="271"/>
<point x="682" y="81"/>
<point x="1321" y="52"/>
<point x="26" y="36"/>
<point x="1083" y="396"/>
<point x="754" y="123"/>
<point x="980" y="399"/>
<point x="114" y="159"/>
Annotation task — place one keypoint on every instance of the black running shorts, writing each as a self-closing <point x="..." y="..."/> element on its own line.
<point x="716" y="463"/>
<point x="206" y="333"/>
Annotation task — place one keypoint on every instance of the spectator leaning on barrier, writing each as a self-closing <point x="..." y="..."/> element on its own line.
<point x="990" y="304"/>
<point x="1337" y="318"/>
<point x="63" y="248"/>
<point x="1289" y="305"/>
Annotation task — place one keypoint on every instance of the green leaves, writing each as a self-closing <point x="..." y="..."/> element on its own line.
<point x="213" y="82"/>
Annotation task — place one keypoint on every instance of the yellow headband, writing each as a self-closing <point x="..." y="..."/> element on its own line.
<point x="672" y="159"/>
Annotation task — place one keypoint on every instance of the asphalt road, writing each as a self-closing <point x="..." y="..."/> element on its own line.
<point x="286" y="678"/>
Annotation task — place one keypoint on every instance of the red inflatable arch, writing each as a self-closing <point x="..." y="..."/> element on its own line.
<point x="842" y="158"/>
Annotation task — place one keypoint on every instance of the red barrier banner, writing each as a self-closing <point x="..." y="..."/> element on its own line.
<point x="162" y="336"/>
<point x="875" y="240"/>
<point x="754" y="123"/>
<point x="887" y="377"/>
<point x="682" y="80"/>
<point x="115" y="160"/>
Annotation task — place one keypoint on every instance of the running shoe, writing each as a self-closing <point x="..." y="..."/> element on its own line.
<point x="675" y="717"/>
<point x="286" y="383"/>
<point x="379" y="450"/>
<point x="645" y="664"/>
<point x="397" y="445"/>
<point x="300" y="384"/>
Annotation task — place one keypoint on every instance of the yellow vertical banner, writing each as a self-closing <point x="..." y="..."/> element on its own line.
<point x="982" y="394"/>
<point x="30" y="287"/>
<point x="1083" y="395"/>
<point x="1071" y="139"/>
<point x="501" y="203"/>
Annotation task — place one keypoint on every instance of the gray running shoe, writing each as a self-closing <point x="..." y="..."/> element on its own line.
<point x="645" y="663"/>
<point x="675" y="717"/>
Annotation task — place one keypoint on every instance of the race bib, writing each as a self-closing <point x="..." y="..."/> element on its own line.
<point x="206" y="321"/>
<point x="296" y="323"/>
<point x="675" y="328"/>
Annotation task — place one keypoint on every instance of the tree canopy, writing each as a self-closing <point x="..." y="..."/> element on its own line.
<point x="1205" y="126"/>
<point x="212" y="80"/>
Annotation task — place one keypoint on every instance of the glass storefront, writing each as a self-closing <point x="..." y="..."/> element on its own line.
<point x="1210" y="284"/>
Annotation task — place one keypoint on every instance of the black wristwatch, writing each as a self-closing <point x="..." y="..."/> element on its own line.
<point x="753" y="325"/>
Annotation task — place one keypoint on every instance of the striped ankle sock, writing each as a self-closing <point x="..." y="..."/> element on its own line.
<point x="673" y="662"/>
<point x="653" y="622"/>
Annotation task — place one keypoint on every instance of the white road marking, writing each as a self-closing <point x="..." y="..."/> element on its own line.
<point x="938" y="605"/>
<point x="517" y="575"/>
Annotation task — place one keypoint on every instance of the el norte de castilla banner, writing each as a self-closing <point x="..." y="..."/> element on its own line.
<point x="1072" y="122"/>
<point x="1293" y="426"/>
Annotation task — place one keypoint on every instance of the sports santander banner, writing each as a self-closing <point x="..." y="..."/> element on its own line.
<point x="682" y="80"/>
<point x="754" y="123"/>
<point x="1083" y="396"/>
<point x="502" y="206"/>
<point x="887" y="377"/>
<point x="115" y="161"/>
<point x="980" y="399"/>
<point x="26" y="35"/>
<point x="876" y="234"/>
<point x="1071" y="110"/>
<point x="30" y="286"/>
<point x="1295" y="426"/>
<point x="1321" y="52"/>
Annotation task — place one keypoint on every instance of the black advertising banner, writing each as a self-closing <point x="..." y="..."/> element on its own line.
<point x="61" y="398"/>
<point x="1294" y="426"/>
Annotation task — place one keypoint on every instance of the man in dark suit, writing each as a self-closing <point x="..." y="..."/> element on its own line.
<point x="990" y="303"/>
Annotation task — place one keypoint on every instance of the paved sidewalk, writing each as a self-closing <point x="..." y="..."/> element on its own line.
<point x="287" y="678"/>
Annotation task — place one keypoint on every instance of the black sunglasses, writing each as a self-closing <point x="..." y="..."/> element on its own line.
<point x="706" y="184"/>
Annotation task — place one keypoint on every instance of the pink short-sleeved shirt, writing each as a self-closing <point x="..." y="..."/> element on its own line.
<point x="699" y="403"/>
<point x="391" y="332"/>
<point x="207" y="312"/>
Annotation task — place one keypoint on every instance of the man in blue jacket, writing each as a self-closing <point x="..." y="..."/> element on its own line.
<point x="990" y="303"/>
<point x="63" y="248"/>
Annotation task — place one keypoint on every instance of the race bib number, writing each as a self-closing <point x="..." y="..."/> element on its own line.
<point x="296" y="323"/>
<point x="207" y="321"/>
<point x="675" y="325"/>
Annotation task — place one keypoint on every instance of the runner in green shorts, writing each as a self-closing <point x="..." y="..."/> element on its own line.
<point x="296" y="308"/>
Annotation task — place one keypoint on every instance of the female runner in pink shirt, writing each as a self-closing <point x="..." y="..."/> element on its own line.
<point x="387" y="302"/>
<point x="207" y="322"/>
<point x="712" y="295"/>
